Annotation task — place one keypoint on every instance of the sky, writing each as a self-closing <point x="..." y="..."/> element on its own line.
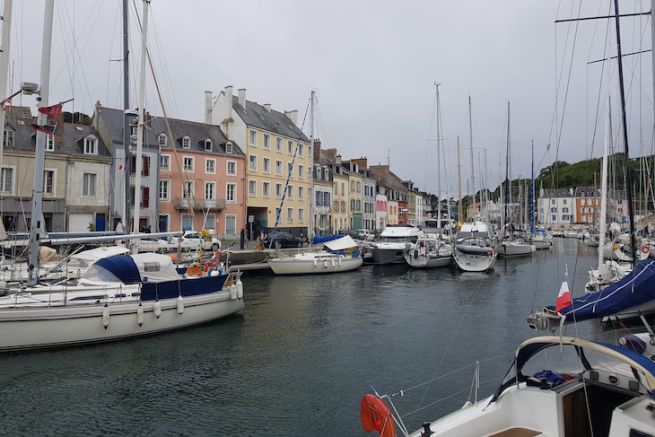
<point x="373" y="65"/>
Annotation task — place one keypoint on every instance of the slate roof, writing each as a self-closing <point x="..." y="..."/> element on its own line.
<point x="586" y="192"/>
<point x="196" y="131"/>
<point x="556" y="192"/>
<point x="385" y="177"/>
<point x="71" y="141"/>
<point x="258" y="116"/>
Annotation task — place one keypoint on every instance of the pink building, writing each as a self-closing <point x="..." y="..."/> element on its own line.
<point x="201" y="178"/>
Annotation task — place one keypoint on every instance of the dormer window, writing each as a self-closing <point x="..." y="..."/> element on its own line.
<point x="90" y="145"/>
<point x="163" y="140"/>
<point x="186" y="142"/>
<point x="228" y="147"/>
<point x="208" y="145"/>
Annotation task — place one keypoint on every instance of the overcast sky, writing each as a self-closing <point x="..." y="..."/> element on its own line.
<point x="373" y="64"/>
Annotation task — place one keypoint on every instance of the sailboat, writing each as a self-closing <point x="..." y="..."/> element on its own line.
<point x="119" y="296"/>
<point x="512" y="243"/>
<point x="339" y="255"/>
<point x="430" y="250"/>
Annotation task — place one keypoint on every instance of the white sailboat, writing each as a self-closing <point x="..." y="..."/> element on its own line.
<point x="474" y="251"/>
<point x="340" y="255"/>
<point x="118" y="296"/>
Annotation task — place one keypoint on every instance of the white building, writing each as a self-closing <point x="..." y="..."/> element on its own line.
<point x="556" y="207"/>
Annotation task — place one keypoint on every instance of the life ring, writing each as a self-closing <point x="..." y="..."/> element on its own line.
<point x="645" y="249"/>
<point x="194" y="270"/>
<point x="375" y="416"/>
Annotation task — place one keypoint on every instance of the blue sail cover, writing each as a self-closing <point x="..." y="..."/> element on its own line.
<point x="122" y="267"/>
<point x="636" y="288"/>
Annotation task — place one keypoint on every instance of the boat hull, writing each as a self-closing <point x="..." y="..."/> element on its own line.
<point x="429" y="261"/>
<point x="471" y="262"/>
<point x="51" y="327"/>
<point x="542" y="244"/>
<point x="509" y="249"/>
<point x="389" y="254"/>
<point x="291" y="266"/>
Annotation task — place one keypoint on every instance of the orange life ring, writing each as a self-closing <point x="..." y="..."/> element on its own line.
<point x="194" y="270"/>
<point x="615" y="247"/>
<point x="375" y="415"/>
<point x="645" y="249"/>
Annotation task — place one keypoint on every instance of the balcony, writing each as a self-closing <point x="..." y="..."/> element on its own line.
<point x="200" y="204"/>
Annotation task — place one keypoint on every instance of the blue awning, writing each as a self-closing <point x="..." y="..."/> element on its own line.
<point x="123" y="267"/>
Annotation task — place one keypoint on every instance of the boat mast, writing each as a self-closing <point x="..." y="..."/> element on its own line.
<point x="532" y="189"/>
<point x="507" y="182"/>
<point x="141" y="123"/>
<point x="436" y="85"/>
<point x="603" y="184"/>
<point x="4" y="73"/>
<point x="460" y="212"/>
<point x="126" y="123"/>
<point x="39" y="152"/>
<point x="312" y="194"/>
<point x="625" y="136"/>
<point x="472" y="163"/>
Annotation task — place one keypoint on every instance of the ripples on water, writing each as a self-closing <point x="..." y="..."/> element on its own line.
<point x="301" y="356"/>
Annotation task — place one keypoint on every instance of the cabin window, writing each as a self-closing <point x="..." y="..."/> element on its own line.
<point x="151" y="267"/>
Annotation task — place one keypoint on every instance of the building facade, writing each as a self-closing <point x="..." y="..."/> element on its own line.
<point x="556" y="207"/>
<point x="587" y="205"/>
<point x="323" y="181"/>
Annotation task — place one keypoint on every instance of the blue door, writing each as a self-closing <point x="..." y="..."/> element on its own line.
<point x="100" y="222"/>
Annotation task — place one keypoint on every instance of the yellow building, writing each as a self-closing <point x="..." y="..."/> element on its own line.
<point x="279" y="162"/>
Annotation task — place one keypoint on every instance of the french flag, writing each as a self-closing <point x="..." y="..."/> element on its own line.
<point x="563" y="297"/>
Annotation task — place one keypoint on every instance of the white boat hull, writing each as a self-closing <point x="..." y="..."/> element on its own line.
<point x="474" y="263"/>
<point x="49" y="327"/>
<point x="314" y="265"/>
<point x="515" y="249"/>
<point x="428" y="261"/>
<point x="542" y="244"/>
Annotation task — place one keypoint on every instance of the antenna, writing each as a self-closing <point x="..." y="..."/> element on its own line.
<point x="389" y="157"/>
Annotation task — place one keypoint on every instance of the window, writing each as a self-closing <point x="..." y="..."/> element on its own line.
<point x="252" y="163"/>
<point x="267" y="165"/>
<point x="188" y="164"/>
<point x="278" y="144"/>
<point x="554" y="217"/>
<point x="8" y="138"/>
<point x="301" y="172"/>
<point x="145" y="165"/>
<point x="210" y="166"/>
<point x="231" y="193"/>
<point x="186" y="142"/>
<point x="231" y="168"/>
<point x="290" y="215"/>
<point x="267" y="141"/>
<point x="230" y="225"/>
<point x="278" y="168"/>
<point x="564" y="201"/>
<point x="278" y="190"/>
<point x="290" y="147"/>
<point x="319" y="198"/>
<point x="266" y="189"/>
<point x="565" y="210"/>
<point x="252" y="188"/>
<point x="253" y="138"/>
<point x="210" y="221"/>
<point x="300" y="149"/>
<point x="187" y="222"/>
<point x="301" y="215"/>
<point x="553" y="209"/>
<point x="165" y="162"/>
<point x="6" y="180"/>
<point x="145" y="197"/>
<point x="301" y="193"/>
<point x="210" y="190"/>
<point x="89" y="184"/>
<point x="163" y="140"/>
<point x="565" y="217"/>
<point x="48" y="182"/>
<point x="187" y="189"/>
<point x="290" y="168"/>
<point x="553" y="201"/>
<point x="50" y="143"/>
<point x="90" y="145"/>
<point x="164" y="190"/>
<point x="208" y="145"/>
<point x="228" y="147"/>
<point x="289" y="191"/>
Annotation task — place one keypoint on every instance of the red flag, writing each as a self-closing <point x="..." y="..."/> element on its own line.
<point x="563" y="297"/>
<point x="53" y="110"/>
<point x="46" y="129"/>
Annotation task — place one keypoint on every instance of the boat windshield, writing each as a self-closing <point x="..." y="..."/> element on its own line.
<point x="97" y="273"/>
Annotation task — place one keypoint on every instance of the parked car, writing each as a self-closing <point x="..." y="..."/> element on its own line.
<point x="364" y="234"/>
<point x="193" y="240"/>
<point x="285" y="239"/>
<point x="152" y="244"/>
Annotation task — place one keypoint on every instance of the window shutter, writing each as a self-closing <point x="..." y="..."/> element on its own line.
<point x="145" y="200"/>
<point x="146" y="166"/>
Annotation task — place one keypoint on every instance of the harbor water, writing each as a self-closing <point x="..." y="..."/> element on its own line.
<point x="301" y="356"/>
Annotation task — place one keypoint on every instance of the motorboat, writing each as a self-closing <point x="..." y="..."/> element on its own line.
<point x="118" y="297"/>
<point x="473" y="249"/>
<point x="339" y="255"/>
<point x="556" y="386"/>
<point x="390" y="249"/>
<point x="428" y="252"/>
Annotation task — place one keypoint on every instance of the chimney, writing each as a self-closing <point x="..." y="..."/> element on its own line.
<point x="317" y="149"/>
<point x="361" y="163"/>
<point x="242" y="97"/>
<point x="267" y="106"/>
<point x="96" y="116"/>
<point x="208" y="107"/>
<point x="292" y="115"/>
